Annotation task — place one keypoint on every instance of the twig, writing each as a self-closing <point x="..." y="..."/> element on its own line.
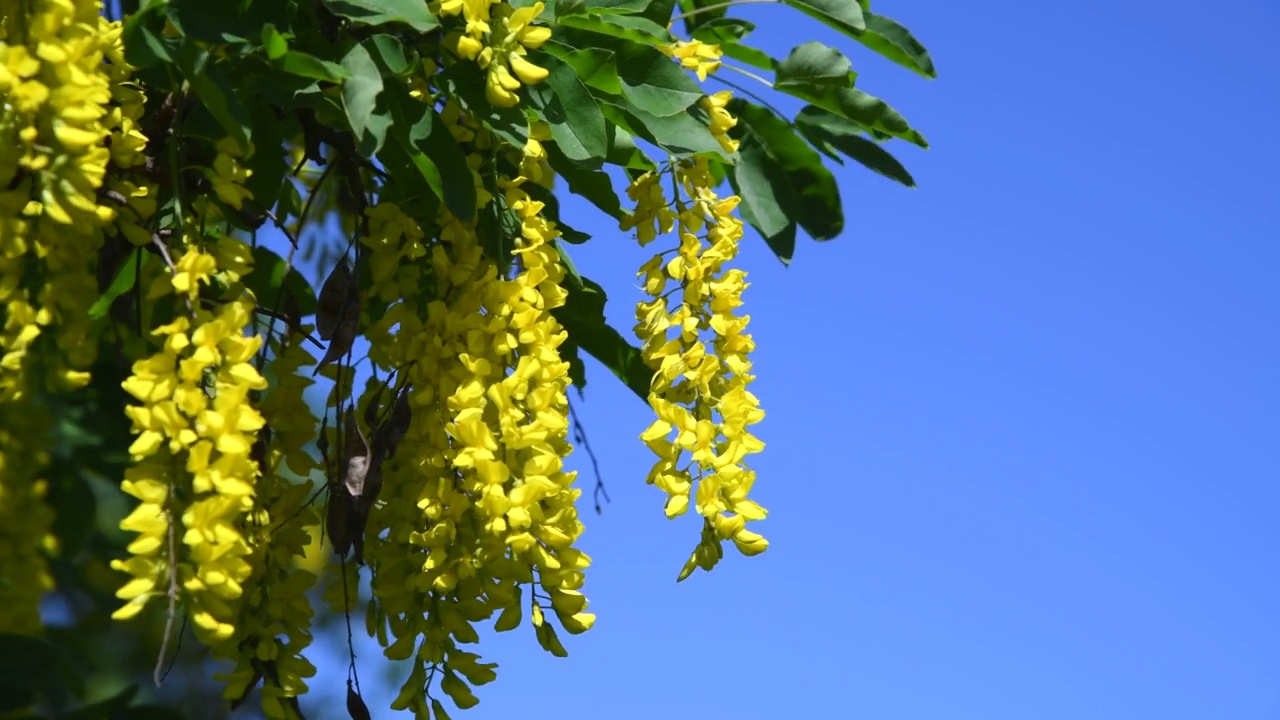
<point x="288" y="263"/>
<point x="280" y="224"/>
<point x="292" y="325"/>
<point x="159" y="673"/>
<point x="346" y="613"/>
<point x="747" y="73"/>
<point x="580" y="437"/>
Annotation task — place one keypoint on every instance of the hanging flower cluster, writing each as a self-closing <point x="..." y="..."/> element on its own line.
<point x="275" y="619"/>
<point x="62" y="106"/>
<point x="696" y="343"/>
<point x="477" y="502"/>
<point x="196" y="430"/>
<point x="498" y="36"/>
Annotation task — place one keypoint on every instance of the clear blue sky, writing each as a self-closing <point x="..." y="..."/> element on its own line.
<point x="1023" y="422"/>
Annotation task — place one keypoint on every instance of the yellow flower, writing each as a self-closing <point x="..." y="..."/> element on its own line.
<point x="702" y="58"/>
<point x="698" y="351"/>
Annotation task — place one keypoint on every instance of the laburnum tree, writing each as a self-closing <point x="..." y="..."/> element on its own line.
<point x="165" y="170"/>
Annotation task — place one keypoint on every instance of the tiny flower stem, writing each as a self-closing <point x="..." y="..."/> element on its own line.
<point x="749" y="74"/>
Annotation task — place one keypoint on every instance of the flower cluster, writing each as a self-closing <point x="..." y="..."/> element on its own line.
<point x="478" y="512"/>
<point x="697" y="346"/>
<point x="275" y="619"/>
<point x="196" y="430"/>
<point x="53" y="159"/>
<point x="65" y="108"/>
<point x="499" y="51"/>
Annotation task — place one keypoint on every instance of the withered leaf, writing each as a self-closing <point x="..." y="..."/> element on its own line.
<point x="344" y="334"/>
<point x="371" y="409"/>
<point x="355" y="705"/>
<point x="322" y="444"/>
<point x="395" y="428"/>
<point x="332" y="303"/>
<point x="337" y="519"/>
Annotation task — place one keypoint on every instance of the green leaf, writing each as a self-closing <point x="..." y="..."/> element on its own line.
<point x="388" y="50"/>
<point x="310" y="66"/>
<point x="723" y="29"/>
<point x="215" y="22"/>
<point x="702" y="12"/>
<point x="577" y="125"/>
<point x="594" y="66"/>
<point x="866" y="110"/>
<point x="214" y="88"/>
<point x="681" y="134"/>
<point x="273" y="42"/>
<point x="650" y="80"/>
<point x="496" y="226"/>
<point x="767" y="203"/>
<point x="432" y="148"/>
<point x="272" y="277"/>
<point x="267" y="163"/>
<point x="123" y="283"/>
<point x="413" y="13"/>
<point x="830" y="133"/>
<point x="623" y="7"/>
<point x="814" y="191"/>
<point x="843" y="15"/>
<point x="145" y="44"/>
<point x="814" y="63"/>
<point x="594" y="185"/>
<point x="897" y="44"/>
<point x="360" y="91"/>
<point x="583" y="317"/>
<point x="624" y="27"/>
<point x="659" y="11"/>
<point x="623" y="150"/>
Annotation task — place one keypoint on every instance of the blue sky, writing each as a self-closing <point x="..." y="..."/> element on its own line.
<point x="1022" y="421"/>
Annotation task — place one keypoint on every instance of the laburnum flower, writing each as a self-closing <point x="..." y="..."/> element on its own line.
<point x="54" y="131"/>
<point x="228" y="175"/>
<point x="702" y="58"/>
<point x="721" y="119"/>
<point x="652" y="215"/>
<point x="478" y="503"/>
<point x="699" y="353"/>
<point x="396" y="241"/>
<point x="195" y="432"/>
<point x="498" y="40"/>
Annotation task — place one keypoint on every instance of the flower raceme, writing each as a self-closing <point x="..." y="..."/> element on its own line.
<point x="696" y="345"/>
<point x="497" y="37"/>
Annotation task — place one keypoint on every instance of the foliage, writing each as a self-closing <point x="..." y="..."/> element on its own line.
<point x="145" y="165"/>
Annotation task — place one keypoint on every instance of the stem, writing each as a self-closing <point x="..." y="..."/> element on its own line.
<point x="718" y="6"/>
<point x="172" y="612"/>
<point x="749" y="74"/>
